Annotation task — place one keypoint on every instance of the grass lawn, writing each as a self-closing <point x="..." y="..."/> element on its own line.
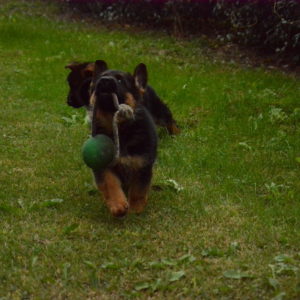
<point x="231" y="232"/>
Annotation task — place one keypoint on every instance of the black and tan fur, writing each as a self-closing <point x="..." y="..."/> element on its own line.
<point x="124" y="184"/>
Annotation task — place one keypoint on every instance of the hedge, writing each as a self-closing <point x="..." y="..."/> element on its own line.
<point x="269" y="25"/>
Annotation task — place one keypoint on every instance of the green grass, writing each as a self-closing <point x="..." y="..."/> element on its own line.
<point x="232" y="232"/>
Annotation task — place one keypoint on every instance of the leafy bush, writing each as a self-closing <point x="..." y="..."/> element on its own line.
<point x="270" y="25"/>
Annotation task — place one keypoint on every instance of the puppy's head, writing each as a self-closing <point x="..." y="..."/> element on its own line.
<point x="79" y="80"/>
<point x="128" y="88"/>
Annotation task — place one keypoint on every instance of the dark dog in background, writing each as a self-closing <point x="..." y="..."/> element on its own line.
<point x="80" y="78"/>
<point x="129" y="177"/>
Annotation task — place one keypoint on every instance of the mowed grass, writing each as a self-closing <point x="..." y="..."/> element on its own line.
<point x="225" y="227"/>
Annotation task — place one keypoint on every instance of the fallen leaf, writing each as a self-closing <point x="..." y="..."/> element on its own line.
<point x="273" y="283"/>
<point x="52" y="202"/>
<point x="236" y="274"/>
<point x="174" y="185"/>
<point x="175" y="276"/>
<point x="142" y="286"/>
<point x="70" y="228"/>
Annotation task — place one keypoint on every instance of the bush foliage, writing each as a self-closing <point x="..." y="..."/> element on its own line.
<point x="270" y="25"/>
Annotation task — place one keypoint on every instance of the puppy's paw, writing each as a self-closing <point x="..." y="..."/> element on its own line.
<point x="125" y="112"/>
<point x="119" y="209"/>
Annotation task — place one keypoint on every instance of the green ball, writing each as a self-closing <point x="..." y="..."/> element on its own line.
<point x="98" y="152"/>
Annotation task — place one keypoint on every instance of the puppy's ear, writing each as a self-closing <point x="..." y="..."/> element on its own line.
<point x="100" y="67"/>
<point x="141" y="77"/>
<point x="88" y="71"/>
<point x="73" y="66"/>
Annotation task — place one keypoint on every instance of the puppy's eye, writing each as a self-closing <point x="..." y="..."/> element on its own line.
<point x="119" y="79"/>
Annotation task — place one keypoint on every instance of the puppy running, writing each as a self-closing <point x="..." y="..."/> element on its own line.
<point x="124" y="184"/>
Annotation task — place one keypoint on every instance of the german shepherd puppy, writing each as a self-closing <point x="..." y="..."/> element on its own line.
<point x="79" y="80"/>
<point x="129" y="176"/>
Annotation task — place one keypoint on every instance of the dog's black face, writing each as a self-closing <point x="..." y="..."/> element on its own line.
<point x="128" y="88"/>
<point x="79" y="81"/>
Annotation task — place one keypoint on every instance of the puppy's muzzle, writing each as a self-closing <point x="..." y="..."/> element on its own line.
<point x="107" y="84"/>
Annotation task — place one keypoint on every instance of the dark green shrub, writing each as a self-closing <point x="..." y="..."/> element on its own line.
<point x="269" y="25"/>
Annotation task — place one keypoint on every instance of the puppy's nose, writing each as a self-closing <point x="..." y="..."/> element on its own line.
<point x="107" y="84"/>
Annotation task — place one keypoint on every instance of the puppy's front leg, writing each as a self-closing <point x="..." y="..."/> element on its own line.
<point x="139" y="188"/>
<point x="110" y="186"/>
